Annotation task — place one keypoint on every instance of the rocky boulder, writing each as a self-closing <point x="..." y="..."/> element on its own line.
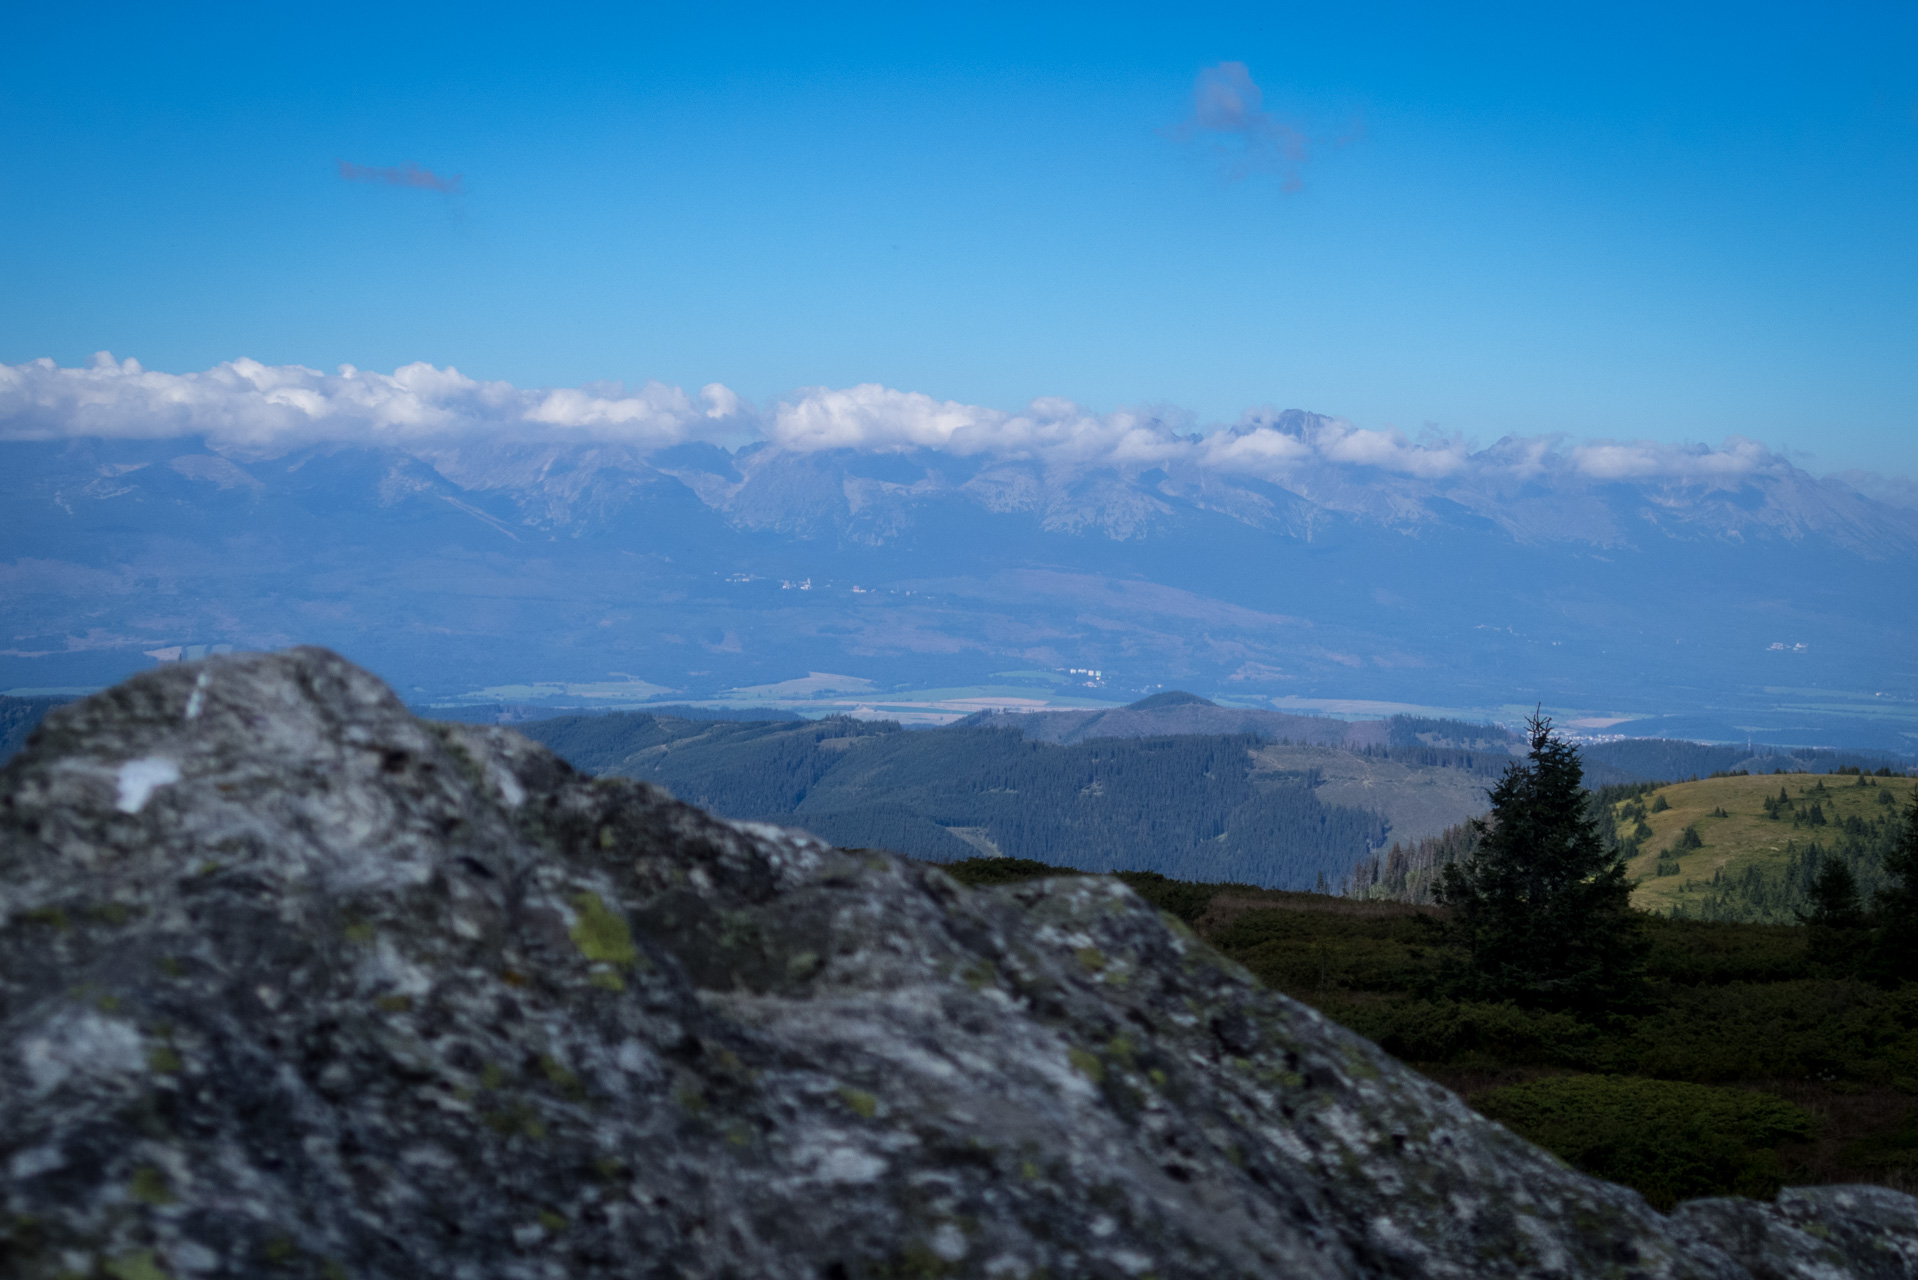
<point x="295" y="984"/>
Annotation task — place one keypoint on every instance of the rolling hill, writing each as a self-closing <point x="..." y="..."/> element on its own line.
<point x="1759" y="840"/>
<point x="1194" y="806"/>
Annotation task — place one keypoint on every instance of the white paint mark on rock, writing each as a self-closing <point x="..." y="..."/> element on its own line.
<point x="139" y="778"/>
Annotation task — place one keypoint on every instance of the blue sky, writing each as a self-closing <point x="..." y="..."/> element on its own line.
<point x="1667" y="222"/>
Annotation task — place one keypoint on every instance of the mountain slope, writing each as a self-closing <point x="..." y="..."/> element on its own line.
<point x="1193" y="806"/>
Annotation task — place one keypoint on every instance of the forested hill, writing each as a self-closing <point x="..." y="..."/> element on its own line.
<point x="1674" y="760"/>
<point x="1178" y="712"/>
<point x="1198" y="807"/>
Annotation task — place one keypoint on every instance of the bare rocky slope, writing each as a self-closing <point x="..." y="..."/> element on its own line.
<point x="294" y="984"/>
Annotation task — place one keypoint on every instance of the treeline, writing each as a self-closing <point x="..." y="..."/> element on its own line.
<point x="1672" y="760"/>
<point x="1188" y="806"/>
<point x="1485" y="762"/>
<point x="883" y="826"/>
<point x="1435" y="731"/>
<point x="1409" y="872"/>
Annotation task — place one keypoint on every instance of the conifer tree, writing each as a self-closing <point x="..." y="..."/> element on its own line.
<point x="1896" y="946"/>
<point x="1542" y="906"/>
<point x="1833" y="925"/>
<point x="1834" y="896"/>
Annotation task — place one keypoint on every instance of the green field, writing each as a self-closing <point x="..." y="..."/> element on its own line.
<point x="1753" y="851"/>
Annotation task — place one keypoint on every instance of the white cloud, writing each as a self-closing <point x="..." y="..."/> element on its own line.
<point x="246" y="405"/>
<point x="1647" y="460"/>
<point x="1275" y="450"/>
<point x="875" y="418"/>
<point x="1388" y="451"/>
<point x="878" y="419"/>
<point x="1260" y="451"/>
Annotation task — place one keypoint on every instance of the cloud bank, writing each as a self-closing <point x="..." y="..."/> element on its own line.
<point x="246" y="407"/>
<point x="1280" y="447"/>
<point x="252" y="407"/>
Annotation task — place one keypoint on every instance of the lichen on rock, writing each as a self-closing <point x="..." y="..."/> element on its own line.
<point x="337" y="992"/>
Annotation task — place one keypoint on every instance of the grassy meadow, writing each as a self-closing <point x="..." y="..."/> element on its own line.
<point x="1746" y="838"/>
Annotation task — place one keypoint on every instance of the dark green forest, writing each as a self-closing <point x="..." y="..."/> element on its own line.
<point x="1189" y="806"/>
<point x="1673" y="760"/>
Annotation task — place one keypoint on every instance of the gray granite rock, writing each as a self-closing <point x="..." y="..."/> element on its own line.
<point x="294" y="984"/>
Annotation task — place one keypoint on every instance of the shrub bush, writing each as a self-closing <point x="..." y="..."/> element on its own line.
<point x="1181" y="898"/>
<point x="983" y="871"/>
<point x="1460" y="1033"/>
<point x="1667" y="1140"/>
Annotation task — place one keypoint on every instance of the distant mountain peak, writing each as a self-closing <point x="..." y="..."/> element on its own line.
<point x="1170" y="698"/>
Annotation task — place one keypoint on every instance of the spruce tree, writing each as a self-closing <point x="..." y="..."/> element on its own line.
<point x="1542" y="906"/>
<point x="1837" y="916"/>
<point x="1895" y="953"/>
<point x="1834" y="896"/>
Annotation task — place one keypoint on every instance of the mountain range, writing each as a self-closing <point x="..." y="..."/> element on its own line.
<point x="1721" y="594"/>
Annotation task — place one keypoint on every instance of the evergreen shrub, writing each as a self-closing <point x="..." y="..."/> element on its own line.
<point x="1667" y="1140"/>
